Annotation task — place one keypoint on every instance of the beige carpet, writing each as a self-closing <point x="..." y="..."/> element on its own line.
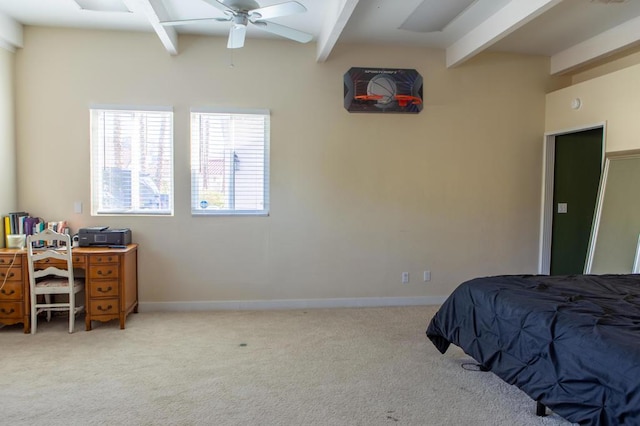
<point x="362" y="366"/>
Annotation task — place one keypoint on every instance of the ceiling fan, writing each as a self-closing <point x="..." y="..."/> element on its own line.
<point x="243" y="12"/>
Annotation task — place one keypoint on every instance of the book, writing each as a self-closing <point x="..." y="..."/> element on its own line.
<point x="7" y="229"/>
<point x="14" y="221"/>
<point x="30" y="224"/>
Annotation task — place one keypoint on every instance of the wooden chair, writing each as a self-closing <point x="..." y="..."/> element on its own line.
<point x="51" y="273"/>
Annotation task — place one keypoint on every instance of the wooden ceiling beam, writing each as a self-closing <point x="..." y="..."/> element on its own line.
<point x="512" y="16"/>
<point x="338" y="15"/>
<point x="155" y="12"/>
<point x="600" y="46"/>
<point x="11" y="33"/>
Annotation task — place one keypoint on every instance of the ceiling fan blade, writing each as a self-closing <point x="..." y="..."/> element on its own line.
<point x="191" y="21"/>
<point x="236" y="36"/>
<point x="277" y="10"/>
<point x="283" y="31"/>
<point x="219" y="5"/>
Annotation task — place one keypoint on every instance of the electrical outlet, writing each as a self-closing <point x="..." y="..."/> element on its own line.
<point x="427" y="276"/>
<point x="405" y="277"/>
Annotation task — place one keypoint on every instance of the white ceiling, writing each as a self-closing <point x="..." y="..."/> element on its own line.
<point x="571" y="32"/>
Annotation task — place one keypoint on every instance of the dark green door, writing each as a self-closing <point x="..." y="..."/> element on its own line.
<point x="578" y="160"/>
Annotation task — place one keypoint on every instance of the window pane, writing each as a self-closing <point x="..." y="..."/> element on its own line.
<point x="131" y="162"/>
<point x="229" y="163"/>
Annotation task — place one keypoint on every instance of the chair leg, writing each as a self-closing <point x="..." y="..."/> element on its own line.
<point x="72" y="311"/>
<point x="47" y="300"/>
<point x="34" y="316"/>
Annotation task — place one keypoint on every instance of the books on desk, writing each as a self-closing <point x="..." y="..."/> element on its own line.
<point x="60" y="227"/>
<point x="15" y="223"/>
<point x="20" y="223"/>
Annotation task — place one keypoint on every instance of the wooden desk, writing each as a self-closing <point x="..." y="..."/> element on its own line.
<point x="111" y="284"/>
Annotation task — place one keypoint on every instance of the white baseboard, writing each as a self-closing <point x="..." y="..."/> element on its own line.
<point x="245" y="305"/>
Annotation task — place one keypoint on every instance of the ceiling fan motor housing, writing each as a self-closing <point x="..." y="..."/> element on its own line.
<point x="241" y="19"/>
<point x="241" y="5"/>
<point x="243" y="12"/>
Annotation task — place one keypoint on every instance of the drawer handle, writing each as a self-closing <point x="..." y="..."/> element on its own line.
<point x="9" y="275"/>
<point x="100" y="308"/>
<point x="109" y="272"/>
<point x="7" y="293"/>
<point x="4" y="311"/>
<point x="100" y="289"/>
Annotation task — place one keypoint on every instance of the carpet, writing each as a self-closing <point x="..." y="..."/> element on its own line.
<point x="343" y="366"/>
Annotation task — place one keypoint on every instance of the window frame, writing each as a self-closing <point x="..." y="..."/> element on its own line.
<point x="196" y="210"/>
<point x="95" y="193"/>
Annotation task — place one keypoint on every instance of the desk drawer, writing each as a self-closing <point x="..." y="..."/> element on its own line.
<point x="44" y="263"/>
<point x="11" y="274"/>
<point x="12" y="290"/>
<point x="6" y="260"/>
<point x="97" y="259"/>
<point x="99" y="307"/>
<point x="11" y="310"/>
<point x="78" y="261"/>
<point x="103" y="271"/>
<point x="103" y="288"/>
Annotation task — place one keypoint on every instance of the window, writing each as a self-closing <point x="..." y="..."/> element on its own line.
<point x="131" y="161"/>
<point x="230" y="162"/>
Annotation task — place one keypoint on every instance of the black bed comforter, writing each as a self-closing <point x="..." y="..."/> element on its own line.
<point x="569" y="342"/>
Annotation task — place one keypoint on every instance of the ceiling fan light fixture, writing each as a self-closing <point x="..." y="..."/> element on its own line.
<point x="103" y="5"/>
<point x="237" y="33"/>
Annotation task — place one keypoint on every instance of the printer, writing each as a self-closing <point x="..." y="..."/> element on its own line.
<point x="103" y="236"/>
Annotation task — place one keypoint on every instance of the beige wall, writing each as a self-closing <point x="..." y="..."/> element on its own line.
<point x="612" y="99"/>
<point x="355" y="198"/>
<point x="8" y="195"/>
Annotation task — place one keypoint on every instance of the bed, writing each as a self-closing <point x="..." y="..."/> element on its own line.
<point x="572" y="343"/>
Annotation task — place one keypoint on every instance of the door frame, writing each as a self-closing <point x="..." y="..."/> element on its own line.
<point x="548" y="167"/>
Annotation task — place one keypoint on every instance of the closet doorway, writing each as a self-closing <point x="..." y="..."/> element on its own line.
<point x="572" y="173"/>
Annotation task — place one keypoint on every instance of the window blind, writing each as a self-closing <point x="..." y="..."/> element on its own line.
<point x="131" y="161"/>
<point x="230" y="163"/>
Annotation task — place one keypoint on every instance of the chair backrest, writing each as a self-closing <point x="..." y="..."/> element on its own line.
<point x="56" y="247"/>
